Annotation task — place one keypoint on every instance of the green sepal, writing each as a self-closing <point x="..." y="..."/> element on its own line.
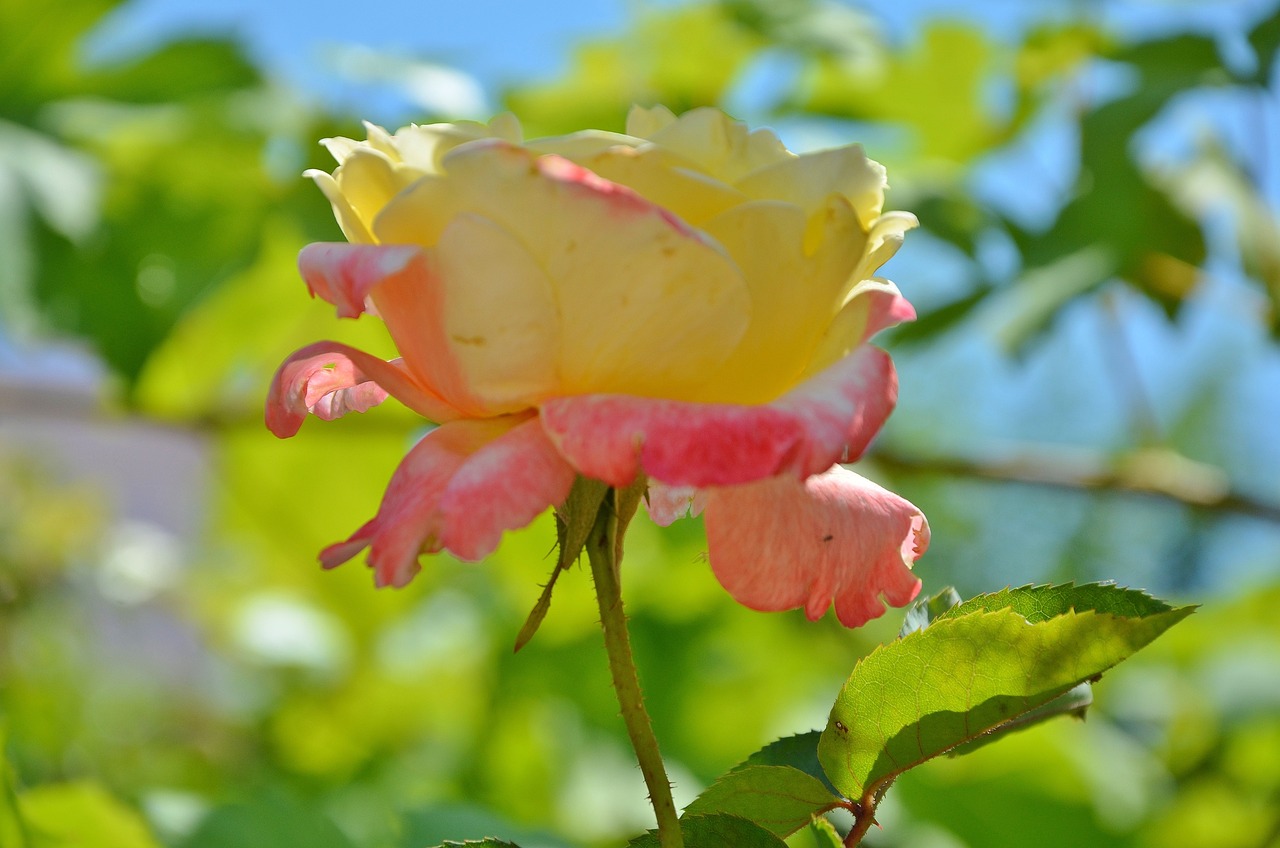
<point x="574" y="521"/>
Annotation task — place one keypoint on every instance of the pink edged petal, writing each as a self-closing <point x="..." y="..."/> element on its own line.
<point x="873" y="305"/>
<point x="832" y="415"/>
<point x="344" y="274"/>
<point x="458" y="490"/>
<point x="780" y="544"/>
<point x="329" y="379"/>
<point x="843" y="407"/>
<point x="668" y="504"/>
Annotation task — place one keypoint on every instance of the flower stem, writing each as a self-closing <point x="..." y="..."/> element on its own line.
<point x="864" y="815"/>
<point x="604" y="550"/>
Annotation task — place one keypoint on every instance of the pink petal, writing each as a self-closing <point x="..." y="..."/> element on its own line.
<point x="344" y="274"/>
<point x="886" y="308"/>
<point x="832" y="415"/>
<point x="668" y="504"/>
<point x="780" y="544"/>
<point x="458" y="489"/>
<point x="329" y="379"/>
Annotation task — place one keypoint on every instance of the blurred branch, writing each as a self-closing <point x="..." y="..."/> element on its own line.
<point x="1154" y="472"/>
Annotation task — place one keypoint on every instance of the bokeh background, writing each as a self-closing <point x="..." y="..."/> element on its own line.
<point x="1092" y="392"/>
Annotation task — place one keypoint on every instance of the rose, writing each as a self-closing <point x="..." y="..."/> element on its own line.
<point x="689" y="301"/>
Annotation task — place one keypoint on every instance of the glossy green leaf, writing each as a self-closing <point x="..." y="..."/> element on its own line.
<point x="1074" y="703"/>
<point x="983" y="663"/>
<point x="483" y="843"/>
<point x="715" y="831"/>
<point x="798" y="752"/>
<point x="781" y="799"/>
<point x="1041" y="603"/>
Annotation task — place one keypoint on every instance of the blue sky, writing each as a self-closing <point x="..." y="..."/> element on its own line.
<point x="498" y="41"/>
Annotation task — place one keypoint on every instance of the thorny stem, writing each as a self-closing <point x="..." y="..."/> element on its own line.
<point x="863" y="818"/>
<point x="604" y="550"/>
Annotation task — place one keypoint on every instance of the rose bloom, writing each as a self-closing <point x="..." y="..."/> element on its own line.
<point x="689" y="301"/>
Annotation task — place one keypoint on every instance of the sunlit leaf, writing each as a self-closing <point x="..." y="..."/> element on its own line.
<point x="798" y="752"/>
<point x="979" y="665"/>
<point x="1074" y="703"/>
<point x="779" y="798"/>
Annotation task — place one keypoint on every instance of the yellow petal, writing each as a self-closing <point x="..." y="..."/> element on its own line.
<point x="650" y="171"/>
<point x="719" y="145"/>
<point x="809" y="180"/>
<point x="368" y="179"/>
<point x="500" y="315"/>
<point x="355" y="229"/>
<point x="848" y="329"/>
<point x="581" y="146"/>
<point x="419" y="214"/>
<point x="794" y="294"/>
<point x="423" y="147"/>
<point x="644" y="122"/>
<point x="883" y="240"/>
<point x="646" y="305"/>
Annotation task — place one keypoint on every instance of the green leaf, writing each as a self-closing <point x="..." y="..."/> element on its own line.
<point x="923" y="612"/>
<point x="483" y="843"/>
<point x="80" y="815"/>
<point x="985" y="662"/>
<point x="798" y="752"/>
<point x="273" y="823"/>
<point x="715" y="831"/>
<point x="1075" y="702"/>
<point x="1041" y="603"/>
<point x="574" y="521"/>
<point x="781" y="799"/>
<point x="824" y="834"/>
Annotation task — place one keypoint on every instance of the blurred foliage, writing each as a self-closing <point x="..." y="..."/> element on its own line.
<point x="150" y="207"/>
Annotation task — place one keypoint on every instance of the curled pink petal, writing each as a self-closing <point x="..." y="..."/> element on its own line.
<point x="668" y="504"/>
<point x="886" y="308"/>
<point x="329" y="379"/>
<point x="344" y="274"/>
<point x="831" y="416"/>
<point x="458" y="490"/>
<point x="780" y="544"/>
